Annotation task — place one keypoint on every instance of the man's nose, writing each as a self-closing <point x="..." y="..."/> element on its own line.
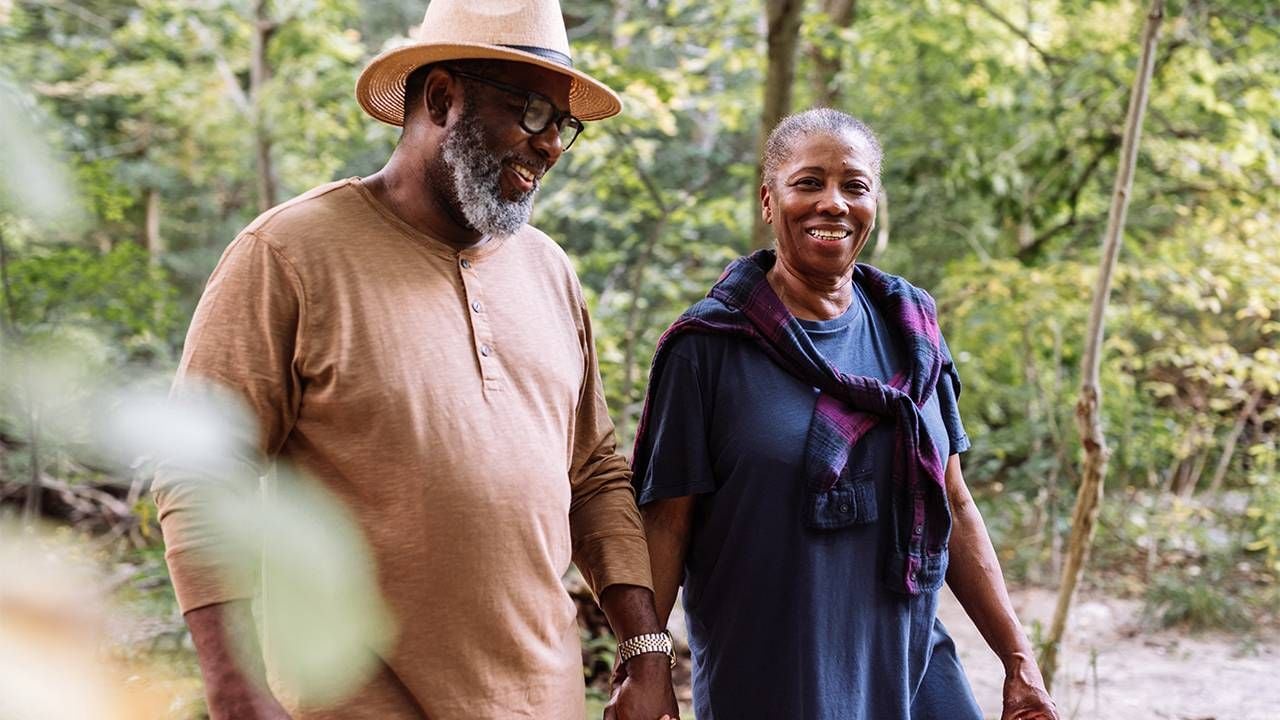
<point x="547" y="143"/>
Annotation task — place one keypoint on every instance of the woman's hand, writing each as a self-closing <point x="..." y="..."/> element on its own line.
<point x="1025" y="697"/>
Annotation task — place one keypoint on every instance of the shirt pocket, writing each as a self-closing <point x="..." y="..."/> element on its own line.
<point x="851" y="501"/>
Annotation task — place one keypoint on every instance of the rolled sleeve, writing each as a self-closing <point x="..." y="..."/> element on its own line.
<point x="609" y="545"/>
<point x="243" y="339"/>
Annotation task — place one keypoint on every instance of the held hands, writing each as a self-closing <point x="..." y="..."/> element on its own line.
<point x="642" y="690"/>
<point x="1025" y="697"/>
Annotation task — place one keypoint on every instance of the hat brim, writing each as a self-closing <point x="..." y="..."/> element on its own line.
<point x="380" y="89"/>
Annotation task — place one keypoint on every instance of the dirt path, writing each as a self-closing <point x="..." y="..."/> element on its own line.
<point x="1114" y="669"/>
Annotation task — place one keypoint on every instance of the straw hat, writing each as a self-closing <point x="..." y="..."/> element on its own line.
<point x="527" y="31"/>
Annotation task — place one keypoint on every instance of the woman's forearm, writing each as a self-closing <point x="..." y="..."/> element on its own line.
<point x="975" y="578"/>
<point x="667" y="526"/>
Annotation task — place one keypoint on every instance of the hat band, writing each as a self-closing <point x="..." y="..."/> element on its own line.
<point x="545" y="53"/>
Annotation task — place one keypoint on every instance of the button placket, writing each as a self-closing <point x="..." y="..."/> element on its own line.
<point x="482" y="340"/>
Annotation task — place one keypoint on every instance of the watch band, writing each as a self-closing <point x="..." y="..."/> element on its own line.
<point x="648" y="643"/>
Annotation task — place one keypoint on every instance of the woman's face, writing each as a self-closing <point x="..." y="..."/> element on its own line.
<point x="822" y="204"/>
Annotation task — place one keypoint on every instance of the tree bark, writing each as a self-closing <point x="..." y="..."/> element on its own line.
<point x="826" y="65"/>
<point x="1229" y="447"/>
<point x="155" y="241"/>
<point x="259" y="74"/>
<point x="10" y="317"/>
<point x="634" y="328"/>
<point x="31" y="505"/>
<point x="618" y="16"/>
<point x="783" y="37"/>
<point x="1195" y="471"/>
<point x="1089" y="406"/>
<point x="882" y="225"/>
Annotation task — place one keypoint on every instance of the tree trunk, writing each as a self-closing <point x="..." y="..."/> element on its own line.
<point x="826" y="65"/>
<point x="259" y="74"/>
<point x="10" y="317"/>
<point x="634" y="328"/>
<point x="783" y="37"/>
<point x="155" y="241"/>
<point x="31" y="507"/>
<point x="1195" y="471"/>
<point x="1060" y="460"/>
<point x="1229" y="447"/>
<point x="882" y="225"/>
<point x="618" y="16"/>
<point x="1089" y="407"/>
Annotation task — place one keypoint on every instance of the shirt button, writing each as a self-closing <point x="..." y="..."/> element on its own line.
<point x="918" y="529"/>
<point x="844" y="507"/>
<point x="485" y="350"/>
<point x="465" y="263"/>
<point x="475" y="305"/>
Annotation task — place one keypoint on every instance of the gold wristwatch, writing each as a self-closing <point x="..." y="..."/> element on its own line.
<point x="648" y="643"/>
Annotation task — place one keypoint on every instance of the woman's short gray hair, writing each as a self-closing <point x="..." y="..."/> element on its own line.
<point x="797" y="127"/>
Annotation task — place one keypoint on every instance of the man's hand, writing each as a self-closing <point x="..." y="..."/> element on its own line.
<point x="642" y="690"/>
<point x="1024" y="695"/>
<point x="234" y="680"/>
<point x="641" y="686"/>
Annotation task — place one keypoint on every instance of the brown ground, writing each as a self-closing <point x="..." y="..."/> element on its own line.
<point x="1113" y="668"/>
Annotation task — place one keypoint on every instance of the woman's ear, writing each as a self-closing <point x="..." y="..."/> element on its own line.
<point x="766" y="206"/>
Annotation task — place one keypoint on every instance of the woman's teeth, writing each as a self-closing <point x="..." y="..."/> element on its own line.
<point x="828" y="234"/>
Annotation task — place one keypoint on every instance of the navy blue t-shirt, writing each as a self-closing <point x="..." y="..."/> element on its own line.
<point x="788" y="621"/>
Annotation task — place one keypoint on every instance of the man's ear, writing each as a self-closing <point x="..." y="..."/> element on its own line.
<point x="766" y="205"/>
<point x="439" y="95"/>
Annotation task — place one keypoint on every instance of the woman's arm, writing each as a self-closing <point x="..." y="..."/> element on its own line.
<point x="975" y="578"/>
<point x="666" y="526"/>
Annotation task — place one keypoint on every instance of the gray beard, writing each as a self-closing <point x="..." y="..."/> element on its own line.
<point x="475" y="173"/>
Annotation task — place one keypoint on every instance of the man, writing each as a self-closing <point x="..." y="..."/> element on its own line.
<point x="414" y="346"/>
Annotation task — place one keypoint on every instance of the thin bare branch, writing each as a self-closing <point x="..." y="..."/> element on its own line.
<point x="1089" y="406"/>
<point x="1049" y="58"/>
<point x="80" y="12"/>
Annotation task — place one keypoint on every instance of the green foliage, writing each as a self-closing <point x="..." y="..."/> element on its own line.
<point x="1205" y="602"/>
<point x="118" y="292"/>
<point x="1001" y="123"/>
<point x="1188" y="561"/>
<point x="1263" y="512"/>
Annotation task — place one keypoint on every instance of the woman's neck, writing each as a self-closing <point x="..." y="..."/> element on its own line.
<point x="811" y="298"/>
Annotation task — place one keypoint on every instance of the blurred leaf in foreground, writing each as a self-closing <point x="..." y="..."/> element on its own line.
<point x="324" y="621"/>
<point x="52" y="637"/>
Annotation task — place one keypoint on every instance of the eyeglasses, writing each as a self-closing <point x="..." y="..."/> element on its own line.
<point x="539" y="112"/>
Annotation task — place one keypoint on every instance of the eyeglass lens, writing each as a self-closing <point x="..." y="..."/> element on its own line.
<point x="538" y="113"/>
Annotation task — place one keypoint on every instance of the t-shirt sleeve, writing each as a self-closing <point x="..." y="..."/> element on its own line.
<point x="949" y="402"/>
<point x="675" y="461"/>
<point x="243" y="338"/>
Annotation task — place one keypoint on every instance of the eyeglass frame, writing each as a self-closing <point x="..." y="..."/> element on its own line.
<point x="557" y="115"/>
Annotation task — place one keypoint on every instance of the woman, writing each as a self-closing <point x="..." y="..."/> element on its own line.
<point x="797" y="464"/>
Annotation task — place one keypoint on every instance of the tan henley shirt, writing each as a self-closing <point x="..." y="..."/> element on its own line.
<point x="452" y="401"/>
